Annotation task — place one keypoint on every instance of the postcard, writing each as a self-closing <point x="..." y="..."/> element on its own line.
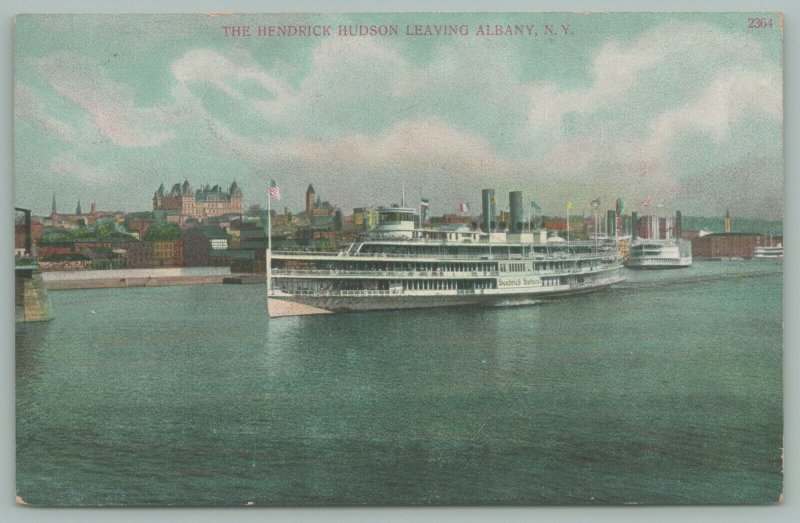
<point x="399" y="259"/>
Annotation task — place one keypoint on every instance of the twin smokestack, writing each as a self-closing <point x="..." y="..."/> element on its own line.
<point x="517" y="215"/>
<point x="489" y="209"/>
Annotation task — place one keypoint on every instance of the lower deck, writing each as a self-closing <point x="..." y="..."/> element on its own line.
<point x="281" y="303"/>
<point x="290" y="294"/>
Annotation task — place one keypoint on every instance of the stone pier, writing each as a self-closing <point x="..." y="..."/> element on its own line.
<point x="30" y="295"/>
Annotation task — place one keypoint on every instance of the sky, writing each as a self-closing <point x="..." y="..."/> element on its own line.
<point x="685" y="110"/>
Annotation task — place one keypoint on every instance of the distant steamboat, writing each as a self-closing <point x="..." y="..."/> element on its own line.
<point x="400" y="266"/>
<point x="660" y="254"/>
<point x="659" y="250"/>
<point x="768" y="251"/>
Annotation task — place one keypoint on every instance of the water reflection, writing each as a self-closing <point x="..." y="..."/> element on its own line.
<point x="28" y="340"/>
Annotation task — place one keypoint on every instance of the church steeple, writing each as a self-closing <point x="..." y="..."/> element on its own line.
<point x="78" y="208"/>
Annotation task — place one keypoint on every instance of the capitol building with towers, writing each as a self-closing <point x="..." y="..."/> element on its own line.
<point x="205" y="202"/>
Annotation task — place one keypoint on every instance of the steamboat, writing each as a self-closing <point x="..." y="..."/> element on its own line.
<point x="398" y="265"/>
<point x="660" y="254"/>
<point x="660" y="247"/>
<point x="768" y="251"/>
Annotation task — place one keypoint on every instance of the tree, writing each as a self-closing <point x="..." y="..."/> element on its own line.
<point x="160" y="232"/>
<point x="105" y="230"/>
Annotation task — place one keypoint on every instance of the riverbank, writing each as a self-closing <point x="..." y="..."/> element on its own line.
<point x="155" y="277"/>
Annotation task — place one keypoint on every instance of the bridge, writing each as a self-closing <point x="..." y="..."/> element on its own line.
<point x="30" y="295"/>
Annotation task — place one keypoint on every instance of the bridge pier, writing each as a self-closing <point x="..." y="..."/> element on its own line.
<point x="30" y="295"/>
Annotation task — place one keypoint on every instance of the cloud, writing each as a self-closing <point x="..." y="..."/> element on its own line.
<point x="423" y="149"/>
<point x="466" y="113"/>
<point x="206" y="66"/>
<point x="349" y="83"/>
<point x="724" y="102"/>
<point x="27" y="105"/>
<point x="412" y="145"/>
<point x="681" y="55"/>
<point x="110" y="104"/>
<point x="69" y="165"/>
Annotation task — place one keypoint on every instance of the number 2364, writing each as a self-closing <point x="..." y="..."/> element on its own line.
<point x="759" y="23"/>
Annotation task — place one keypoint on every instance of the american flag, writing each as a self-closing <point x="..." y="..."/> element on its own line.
<point x="273" y="190"/>
<point x="645" y="202"/>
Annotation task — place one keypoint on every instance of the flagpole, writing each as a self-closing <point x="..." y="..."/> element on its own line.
<point x="269" y="241"/>
<point x="568" y="206"/>
<point x="529" y="219"/>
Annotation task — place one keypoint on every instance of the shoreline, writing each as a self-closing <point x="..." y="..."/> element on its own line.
<point x="111" y="279"/>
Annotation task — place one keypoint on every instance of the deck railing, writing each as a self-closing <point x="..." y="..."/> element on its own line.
<point x="377" y="273"/>
<point x="553" y="256"/>
<point x="436" y="292"/>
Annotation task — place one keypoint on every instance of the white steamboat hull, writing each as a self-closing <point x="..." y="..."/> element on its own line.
<point x="281" y="304"/>
<point x="658" y="264"/>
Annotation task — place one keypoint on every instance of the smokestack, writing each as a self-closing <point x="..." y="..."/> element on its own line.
<point x="634" y="225"/>
<point x="678" y="225"/>
<point x="611" y="223"/>
<point x="515" y="205"/>
<point x="488" y="203"/>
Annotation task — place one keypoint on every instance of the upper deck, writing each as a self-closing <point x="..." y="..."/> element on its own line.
<point x="397" y="237"/>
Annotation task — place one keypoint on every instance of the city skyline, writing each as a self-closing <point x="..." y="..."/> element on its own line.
<point x="684" y="109"/>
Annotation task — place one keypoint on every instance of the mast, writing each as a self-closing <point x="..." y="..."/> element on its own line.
<point x="269" y="241"/>
<point x="569" y="208"/>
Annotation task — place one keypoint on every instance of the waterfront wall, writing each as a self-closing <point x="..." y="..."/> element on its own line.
<point x="30" y="297"/>
<point x="63" y="280"/>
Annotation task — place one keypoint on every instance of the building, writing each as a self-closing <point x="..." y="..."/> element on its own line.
<point x="36" y="230"/>
<point x="728" y="245"/>
<point x="318" y="239"/>
<point x="200" y="244"/>
<point x="450" y="219"/>
<point x="200" y="204"/>
<point x="555" y="224"/>
<point x="140" y="225"/>
<point x="65" y="262"/>
<point x="139" y="255"/>
<point x="310" y="194"/>
<point x="364" y="218"/>
<point x="728" y="221"/>
<point x="49" y="249"/>
<point x="196" y="248"/>
<point x="168" y="253"/>
<point x="318" y="211"/>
